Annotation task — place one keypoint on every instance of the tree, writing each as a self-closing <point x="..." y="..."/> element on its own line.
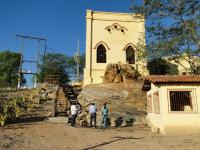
<point x="172" y="29"/>
<point x="55" y="64"/>
<point x="9" y="67"/>
<point x="160" y="67"/>
<point x="72" y="63"/>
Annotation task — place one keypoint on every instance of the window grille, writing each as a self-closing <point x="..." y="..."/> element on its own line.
<point x="101" y="54"/>
<point x="130" y="55"/>
<point x="181" y="101"/>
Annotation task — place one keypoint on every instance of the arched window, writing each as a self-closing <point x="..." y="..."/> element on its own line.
<point x="101" y="54"/>
<point x="130" y="55"/>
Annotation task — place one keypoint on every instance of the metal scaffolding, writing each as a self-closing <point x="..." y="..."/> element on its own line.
<point x="22" y="61"/>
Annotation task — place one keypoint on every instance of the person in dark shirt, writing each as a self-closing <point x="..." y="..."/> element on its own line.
<point x="104" y="113"/>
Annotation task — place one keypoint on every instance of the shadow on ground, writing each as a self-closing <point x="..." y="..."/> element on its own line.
<point x="117" y="138"/>
<point x="30" y="119"/>
<point x="17" y="124"/>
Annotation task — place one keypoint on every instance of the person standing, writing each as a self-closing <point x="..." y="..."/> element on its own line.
<point x="74" y="112"/>
<point x="104" y="113"/>
<point x="92" y="111"/>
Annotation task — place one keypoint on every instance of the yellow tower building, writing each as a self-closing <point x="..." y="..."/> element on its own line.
<point x="111" y="38"/>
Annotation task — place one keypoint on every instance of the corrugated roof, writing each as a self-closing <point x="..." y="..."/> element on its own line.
<point x="157" y="79"/>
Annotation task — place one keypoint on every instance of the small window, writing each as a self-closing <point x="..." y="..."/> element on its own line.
<point x="181" y="101"/>
<point x="149" y="104"/>
<point x="130" y="55"/>
<point x="156" y="102"/>
<point x="101" y="54"/>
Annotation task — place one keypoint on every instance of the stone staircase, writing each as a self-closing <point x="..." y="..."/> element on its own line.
<point x="61" y="103"/>
<point x="71" y="93"/>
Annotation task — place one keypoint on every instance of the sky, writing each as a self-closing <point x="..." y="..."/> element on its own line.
<point x="61" y="22"/>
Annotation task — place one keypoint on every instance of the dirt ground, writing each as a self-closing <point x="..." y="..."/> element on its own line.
<point x="54" y="136"/>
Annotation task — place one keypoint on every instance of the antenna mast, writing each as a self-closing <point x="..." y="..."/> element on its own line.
<point x="77" y="60"/>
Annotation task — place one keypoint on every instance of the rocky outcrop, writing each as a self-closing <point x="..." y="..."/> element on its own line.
<point x="111" y="72"/>
<point x="126" y="102"/>
<point x="119" y="73"/>
<point x="49" y="92"/>
<point x="44" y="100"/>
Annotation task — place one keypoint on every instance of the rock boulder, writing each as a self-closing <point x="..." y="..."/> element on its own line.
<point x="118" y="73"/>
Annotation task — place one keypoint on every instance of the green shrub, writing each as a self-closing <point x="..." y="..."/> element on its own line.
<point x="12" y="108"/>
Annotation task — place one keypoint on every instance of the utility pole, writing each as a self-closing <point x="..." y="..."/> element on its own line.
<point x="37" y="63"/>
<point x="44" y="61"/>
<point x="21" y="62"/>
<point x="77" y="60"/>
<point x="21" y="71"/>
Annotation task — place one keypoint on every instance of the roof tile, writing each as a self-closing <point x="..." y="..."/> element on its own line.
<point x="173" y="78"/>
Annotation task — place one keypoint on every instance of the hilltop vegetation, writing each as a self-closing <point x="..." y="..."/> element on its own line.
<point x="172" y="29"/>
<point x="9" y="66"/>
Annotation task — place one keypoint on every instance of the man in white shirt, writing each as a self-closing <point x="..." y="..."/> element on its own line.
<point x="74" y="112"/>
<point x="92" y="111"/>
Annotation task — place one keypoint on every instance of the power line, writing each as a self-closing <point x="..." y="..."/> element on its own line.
<point x="77" y="60"/>
<point x="31" y="37"/>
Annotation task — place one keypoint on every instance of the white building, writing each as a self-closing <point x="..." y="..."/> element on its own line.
<point x="173" y="102"/>
<point x="180" y="64"/>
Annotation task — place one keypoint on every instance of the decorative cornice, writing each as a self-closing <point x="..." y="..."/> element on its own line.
<point x="117" y="16"/>
<point x="117" y="27"/>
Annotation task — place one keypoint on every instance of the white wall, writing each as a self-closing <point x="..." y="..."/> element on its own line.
<point x="169" y="121"/>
